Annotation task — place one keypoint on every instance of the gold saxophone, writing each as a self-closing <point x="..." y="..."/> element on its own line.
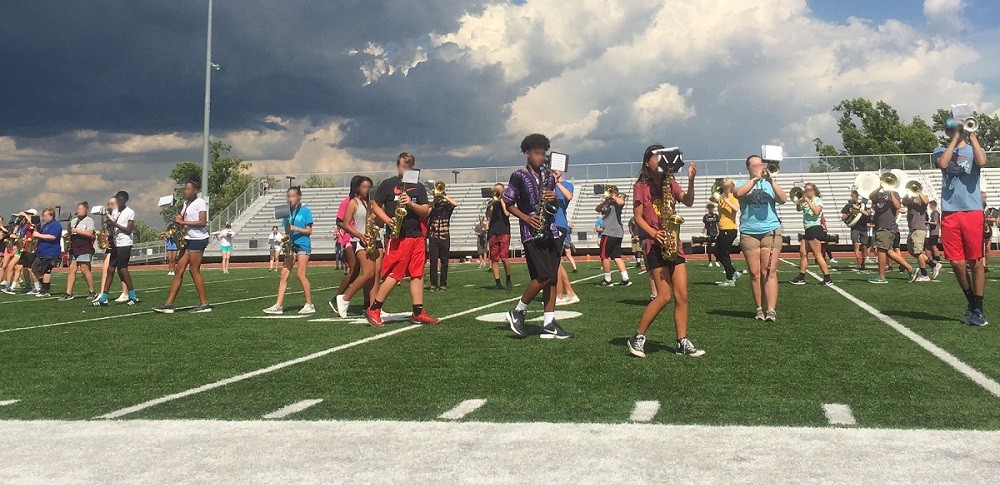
<point x="372" y="228"/>
<point x="102" y="240"/>
<point x="397" y="222"/>
<point x="666" y="210"/>
<point x="287" y="247"/>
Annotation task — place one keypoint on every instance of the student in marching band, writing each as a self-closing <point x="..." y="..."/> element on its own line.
<point x="916" y="221"/>
<point x="80" y="250"/>
<point x="274" y="248"/>
<point x="106" y="264"/>
<point x="225" y="238"/>
<point x="193" y="219"/>
<point x="859" y="231"/>
<point x="612" y="233"/>
<point x="565" y="295"/>
<point x="886" y="205"/>
<point x="170" y="245"/>
<point x="13" y="270"/>
<point x="49" y="235"/>
<point x="344" y="238"/>
<point x="710" y="229"/>
<point x="368" y="251"/>
<point x="498" y="234"/>
<point x="729" y="207"/>
<point x="120" y="223"/>
<point x="932" y="245"/>
<point x="299" y="226"/>
<point x="811" y="207"/>
<point x="760" y="234"/>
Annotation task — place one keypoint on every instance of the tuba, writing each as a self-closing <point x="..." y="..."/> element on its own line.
<point x="889" y="181"/>
<point x="718" y="191"/>
<point x="670" y="221"/>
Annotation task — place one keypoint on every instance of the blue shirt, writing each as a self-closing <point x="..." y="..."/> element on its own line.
<point x="171" y="244"/>
<point x="50" y="249"/>
<point x="757" y="209"/>
<point x="810" y="219"/>
<point x="960" y="189"/>
<point x="300" y="217"/>
<point x="560" y="219"/>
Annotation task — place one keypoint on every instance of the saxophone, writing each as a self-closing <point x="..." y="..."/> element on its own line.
<point x="67" y="236"/>
<point x="546" y="210"/>
<point x="371" y="228"/>
<point x="102" y="240"/>
<point x="287" y="247"/>
<point x="670" y="221"/>
<point x="397" y="222"/>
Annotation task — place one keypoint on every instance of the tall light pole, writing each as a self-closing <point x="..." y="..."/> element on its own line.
<point x="208" y="107"/>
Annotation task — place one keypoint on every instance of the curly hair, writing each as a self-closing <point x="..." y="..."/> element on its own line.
<point x="534" y="142"/>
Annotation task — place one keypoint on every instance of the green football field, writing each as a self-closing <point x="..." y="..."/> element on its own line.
<point x="894" y="354"/>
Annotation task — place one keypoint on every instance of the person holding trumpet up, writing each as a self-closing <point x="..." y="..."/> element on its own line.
<point x="916" y="202"/>
<point x="886" y="205"/>
<point x="808" y="201"/>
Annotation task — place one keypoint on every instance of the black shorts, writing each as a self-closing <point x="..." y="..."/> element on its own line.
<point x="611" y="247"/>
<point x="655" y="259"/>
<point x="896" y="240"/>
<point x="44" y="265"/>
<point x="814" y="233"/>
<point x="543" y="258"/>
<point x="931" y="242"/>
<point x="120" y="257"/>
<point x="27" y="260"/>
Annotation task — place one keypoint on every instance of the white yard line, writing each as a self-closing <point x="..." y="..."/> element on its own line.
<point x="124" y="315"/>
<point x="463" y="409"/>
<point x="644" y="411"/>
<point x="274" y="317"/>
<point x="26" y="298"/>
<point x="292" y="409"/>
<point x="288" y="363"/>
<point x="839" y="414"/>
<point x="984" y="381"/>
<point x="8" y="402"/>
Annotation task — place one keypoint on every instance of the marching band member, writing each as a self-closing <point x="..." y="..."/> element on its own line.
<point x="405" y="255"/>
<point x="9" y="241"/>
<point x="916" y="221"/>
<point x="106" y="264"/>
<point x="962" y="215"/>
<point x="729" y="207"/>
<point x="20" y="232"/>
<point x="439" y="239"/>
<point x="171" y="247"/>
<point x="670" y="276"/>
<point x="811" y="207"/>
<point x="299" y="227"/>
<point x="49" y="234"/>
<point x="80" y="250"/>
<point x="368" y="257"/>
<point x="344" y="238"/>
<point x="193" y="219"/>
<point x="120" y="224"/>
<point x="859" y="232"/>
<point x="274" y="247"/>
<point x="482" y="250"/>
<point x="28" y="254"/>
<point x="564" y="194"/>
<point x="529" y="191"/>
<point x="498" y="220"/>
<point x="710" y="228"/>
<point x="931" y="246"/>
<point x="225" y="238"/>
<point x="760" y="234"/>
<point x="611" y="238"/>
<point x="886" y="205"/>
<point x="990" y="222"/>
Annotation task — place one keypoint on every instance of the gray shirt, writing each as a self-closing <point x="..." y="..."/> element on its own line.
<point x="884" y="213"/>
<point x="612" y="215"/>
<point x="935" y="217"/>
<point x="916" y="215"/>
<point x="85" y="224"/>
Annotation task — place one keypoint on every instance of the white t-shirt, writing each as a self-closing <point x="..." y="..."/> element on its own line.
<point x="121" y="218"/>
<point x="192" y="211"/>
<point x="226" y="237"/>
<point x="274" y="240"/>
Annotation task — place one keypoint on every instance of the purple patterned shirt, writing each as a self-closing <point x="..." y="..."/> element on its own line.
<point x="524" y="190"/>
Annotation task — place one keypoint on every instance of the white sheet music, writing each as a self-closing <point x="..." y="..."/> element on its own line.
<point x="558" y="161"/>
<point x="166" y="200"/>
<point x="772" y="153"/>
<point x="411" y="176"/>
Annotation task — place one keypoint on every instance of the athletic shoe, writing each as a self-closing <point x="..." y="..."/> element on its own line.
<point x="913" y="275"/>
<point x="625" y="283"/>
<point x="132" y="302"/>
<point x="164" y="308"/>
<point x="510" y="286"/>
<point x="770" y="315"/>
<point x="833" y="260"/>
<point x="30" y="291"/>
<point x="432" y="288"/>
<point x="685" y="347"/>
<point x="636" y="344"/>
<point x="560" y="300"/>
<point x="877" y="280"/>
<point x="736" y="276"/>
<point x="515" y="319"/>
<point x="574" y="270"/>
<point x="307" y="309"/>
<point x="760" y="314"/>
<point x="92" y="295"/>
<point x="274" y="310"/>
<point x="968" y="315"/>
<point x="42" y="294"/>
<point x="202" y="308"/>
<point x="8" y="291"/>
<point x="423" y="318"/>
<point x="977" y="318"/>
<point x="99" y="302"/>
<point x="443" y="288"/>
<point x="922" y="278"/>
<point x="340" y="305"/>
<point x="936" y="271"/>
<point x="798" y="281"/>
<point x="826" y="282"/>
<point x="374" y="317"/>
<point x="605" y="283"/>
<point x="726" y="283"/>
<point x="170" y="273"/>
<point x="122" y="298"/>
<point x="572" y="298"/>
<point x="554" y="331"/>
<point x="66" y="297"/>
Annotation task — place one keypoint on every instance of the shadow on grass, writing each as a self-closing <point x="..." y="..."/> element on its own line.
<point x="920" y="316"/>
<point x="732" y="313"/>
<point x="651" y="347"/>
<point x="635" y="302"/>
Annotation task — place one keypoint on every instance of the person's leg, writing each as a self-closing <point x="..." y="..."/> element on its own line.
<point x="351" y="274"/>
<point x="87" y="276"/>
<point x="816" y="246"/>
<point x="71" y="276"/>
<point x="726" y="254"/>
<point x="755" y="268"/>
<point x="194" y="267"/>
<point x="561" y="282"/>
<point x="506" y="267"/>
<point x="178" y="280"/>
<point x="302" y="265"/>
<point x="569" y="255"/>
<point x="656" y="305"/>
<point x="678" y="279"/>
<point x="435" y="249"/>
<point x="803" y="256"/>
<point x="898" y="258"/>
<point x="126" y="278"/>
<point x="771" y="283"/>
<point x="286" y="271"/>
<point x="620" y="264"/>
<point x="364" y="279"/>
<point x="883" y="260"/>
<point x="445" y="255"/>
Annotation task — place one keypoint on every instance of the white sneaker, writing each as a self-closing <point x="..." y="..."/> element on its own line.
<point x="833" y="260"/>
<point x="922" y="278"/>
<point x="571" y="299"/>
<point x="122" y="298"/>
<point x="170" y="273"/>
<point x="307" y="309"/>
<point x="736" y="276"/>
<point x="560" y="300"/>
<point x="936" y="271"/>
<point x="342" y="306"/>
<point x="273" y="310"/>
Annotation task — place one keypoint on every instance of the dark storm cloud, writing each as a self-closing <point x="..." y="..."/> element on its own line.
<point x="137" y="66"/>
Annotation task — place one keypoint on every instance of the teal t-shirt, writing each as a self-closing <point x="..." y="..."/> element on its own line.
<point x="300" y="217"/>
<point x="960" y="190"/>
<point x="809" y="218"/>
<point x="757" y="209"/>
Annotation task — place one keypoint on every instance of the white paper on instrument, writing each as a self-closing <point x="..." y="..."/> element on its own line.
<point x="411" y="176"/>
<point x="962" y="111"/>
<point x="97" y="209"/>
<point x="558" y="161"/>
<point x="772" y="153"/>
<point x="166" y="200"/>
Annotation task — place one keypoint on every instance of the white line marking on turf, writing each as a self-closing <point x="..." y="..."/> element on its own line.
<point x="124" y="315"/>
<point x="839" y="414"/>
<point x="8" y="402"/>
<point x="293" y="408"/>
<point x="34" y="298"/>
<point x="273" y="317"/>
<point x="463" y="409"/>
<point x="288" y="363"/>
<point x="644" y="411"/>
<point x="984" y="381"/>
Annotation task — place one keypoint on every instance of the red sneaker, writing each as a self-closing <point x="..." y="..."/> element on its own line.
<point x="374" y="317"/>
<point x="423" y="319"/>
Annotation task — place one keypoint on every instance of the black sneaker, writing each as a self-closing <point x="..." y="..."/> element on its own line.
<point x="574" y="270"/>
<point x="685" y="347"/>
<point x="202" y="308"/>
<point x="625" y="283"/>
<point x="164" y="308"/>
<point x="66" y="297"/>
<point x="826" y="281"/>
<point x="515" y="318"/>
<point x="605" y="284"/>
<point x="636" y="344"/>
<point x="497" y="287"/>
<point x="554" y="331"/>
<point x="510" y="286"/>
<point x="798" y="281"/>
<point x="91" y="296"/>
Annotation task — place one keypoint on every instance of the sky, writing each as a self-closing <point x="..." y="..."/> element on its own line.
<point x="107" y="94"/>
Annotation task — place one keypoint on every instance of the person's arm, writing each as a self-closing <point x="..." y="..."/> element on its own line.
<point x="815" y="208"/>
<point x="977" y="150"/>
<point x="127" y="228"/>
<point x="745" y="189"/>
<point x="688" y="196"/>
<point x="534" y="221"/>
<point x="895" y="200"/>
<point x="600" y="207"/>
<point x="567" y="194"/>
<point x="724" y="201"/>
<point x="844" y="214"/>
<point x="82" y="232"/>
<point x="945" y="159"/>
<point x="779" y="193"/>
<point x="503" y="206"/>
<point x="308" y="230"/>
<point x="874" y="194"/>
<point x="352" y="207"/>
<point x="453" y="202"/>
<point x="45" y="236"/>
<point x="658" y="236"/>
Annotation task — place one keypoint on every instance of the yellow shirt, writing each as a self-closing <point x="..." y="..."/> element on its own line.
<point x="727" y="214"/>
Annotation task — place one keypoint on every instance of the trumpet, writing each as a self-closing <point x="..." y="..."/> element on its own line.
<point x="718" y="191"/>
<point x="970" y="125"/>
<point x="798" y="196"/>
<point x="439" y="189"/>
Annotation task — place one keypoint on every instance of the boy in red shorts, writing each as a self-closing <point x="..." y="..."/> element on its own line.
<point x="498" y="220"/>
<point x="962" y="215"/>
<point x="405" y="255"/>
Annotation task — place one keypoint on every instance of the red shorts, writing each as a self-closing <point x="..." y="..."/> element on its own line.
<point x="962" y="235"/>
<point x="499" y="247"/>
<point x="404" y="257"/>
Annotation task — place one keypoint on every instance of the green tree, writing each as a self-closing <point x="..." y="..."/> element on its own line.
<point x="315" y="181"/>
<point x="228" y="177"/>
<point x="143" y="232"/>
<point x="868" y="128"/>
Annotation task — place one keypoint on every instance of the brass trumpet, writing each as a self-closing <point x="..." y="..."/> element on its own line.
<point x="970" y="125"/>
<point x="798" y="196"/>
<point x="718" y="191"/>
